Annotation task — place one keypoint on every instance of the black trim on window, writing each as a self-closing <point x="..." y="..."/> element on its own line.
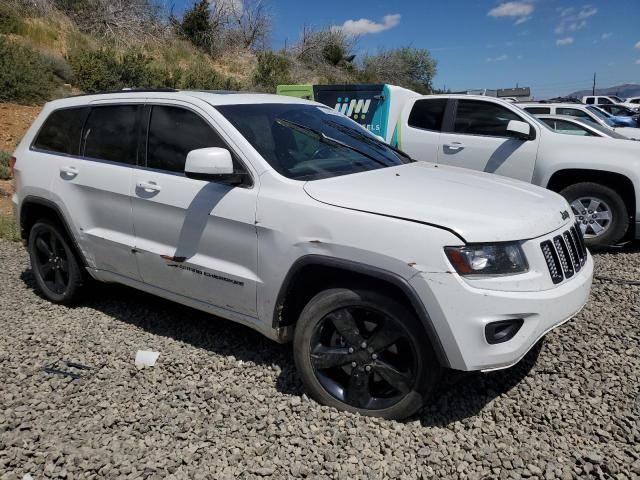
<point x="449" y="116"/>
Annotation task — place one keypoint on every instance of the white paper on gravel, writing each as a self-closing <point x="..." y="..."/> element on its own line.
<point x="145" y="358"/>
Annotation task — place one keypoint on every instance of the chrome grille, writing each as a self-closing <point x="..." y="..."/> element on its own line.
<point x="565" y="255"/>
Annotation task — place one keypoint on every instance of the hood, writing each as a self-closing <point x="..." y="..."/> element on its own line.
<point x="478" y="207"/>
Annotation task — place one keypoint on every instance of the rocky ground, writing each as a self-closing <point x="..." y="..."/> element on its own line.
<point x="224" y="402"/>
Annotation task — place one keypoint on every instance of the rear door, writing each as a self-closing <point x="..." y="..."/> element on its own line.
<point x="418" y="133"/>
<point x="194" y="238"/>
<point x="93" y="185"/>
<point x="477" y="138"/>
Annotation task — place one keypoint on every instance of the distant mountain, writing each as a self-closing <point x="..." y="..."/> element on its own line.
<point x="624" y="91"/>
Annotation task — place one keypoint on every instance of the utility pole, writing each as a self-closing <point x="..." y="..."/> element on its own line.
<point x="593" y="90"/>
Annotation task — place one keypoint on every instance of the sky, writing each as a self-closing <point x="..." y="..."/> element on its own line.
<point x="552" y="46"/>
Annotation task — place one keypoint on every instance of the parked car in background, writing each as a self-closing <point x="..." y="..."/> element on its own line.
<point x="614" y="120"/>
<point x="286" y="216"/>
<point x="634" y="101"/>
<point x="622" y="111"/>
<point x="575" y="126"/>
<point x="600" y="177"/>
<point x="605" y="99"/>
<point x="588" y="113"/>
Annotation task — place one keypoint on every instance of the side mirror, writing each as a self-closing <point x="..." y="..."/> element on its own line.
<point x="208" y="163"/>
<point x="518" y="129"/>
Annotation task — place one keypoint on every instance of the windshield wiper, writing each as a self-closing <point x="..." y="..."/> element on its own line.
<point x="366" y="138"/>
<point x="322" y="137"/>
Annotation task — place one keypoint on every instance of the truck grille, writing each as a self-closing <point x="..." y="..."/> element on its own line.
<point x="565" y="254"/>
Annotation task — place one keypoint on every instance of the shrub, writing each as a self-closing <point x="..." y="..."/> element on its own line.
<point x="59" y="66"/>
<point x="199" y="75"/>
<point x="95" y="70"/>
<point x="272" y="70"/>
<point x="25" y="77"/>
<point x="10" y="20"/>
<point x="5" y="173"/>
<point x="135" y="71"/>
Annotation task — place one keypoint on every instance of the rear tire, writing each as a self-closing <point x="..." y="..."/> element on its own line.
<point x="607" y="221"/>
<point x="54" y="263"/>
<point x="361" y="351"/>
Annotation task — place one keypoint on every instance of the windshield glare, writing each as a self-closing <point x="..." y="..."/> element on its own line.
<point x="308" y="142"/>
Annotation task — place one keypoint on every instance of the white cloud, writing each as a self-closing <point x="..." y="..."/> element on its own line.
<point x="521" y="11"/>
<point x="637" y="45"/>
<point x="572" y="20"/>
<point x="501" y="58"/>
<point x="365" y="26"/>
<point x="638" y="62"/>
<point x="606" y="36"/>
<point x="564" y="41"/>
<point x="511" y="9"/>
<point x="521" y="20"/>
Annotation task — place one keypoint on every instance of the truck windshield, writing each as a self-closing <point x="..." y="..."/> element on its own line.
<point x="308" y="142"/>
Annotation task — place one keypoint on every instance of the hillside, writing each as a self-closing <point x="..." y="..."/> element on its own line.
<point x="623" y="91"/>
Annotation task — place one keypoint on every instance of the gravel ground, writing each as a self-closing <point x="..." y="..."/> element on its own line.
<point x="224" y="402"/>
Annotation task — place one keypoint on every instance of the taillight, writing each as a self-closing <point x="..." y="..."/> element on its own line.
<point x="12" y="164"/>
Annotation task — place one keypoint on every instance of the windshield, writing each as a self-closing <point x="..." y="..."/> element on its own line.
<point x="308" y="142"/>
<point x="616" y="99"/>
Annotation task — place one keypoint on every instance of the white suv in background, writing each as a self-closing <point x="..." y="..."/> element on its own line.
<point x="288" y="217"/>
<point x="600" y="177"/>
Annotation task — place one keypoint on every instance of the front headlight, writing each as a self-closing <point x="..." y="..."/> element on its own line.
<point x="496" y="259"/>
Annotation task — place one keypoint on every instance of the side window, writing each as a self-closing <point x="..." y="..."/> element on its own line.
<point x="605" y="101"/>
<point x="483" y="118"/>
<point x="571" y="129"/>
<point x="61" y="131"/>
<point x="111" y="133"/>
<point x="427" y="114"/>
<point x="538" y="110"/>
<point x="572" y="112"/>
<point x="635" y="100"/>
<point x="590" y="101"/>
<point x="173" y="133"/>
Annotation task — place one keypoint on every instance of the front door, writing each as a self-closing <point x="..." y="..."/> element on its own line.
<point x="193" y="237"/>
<point x="479" y="140"/>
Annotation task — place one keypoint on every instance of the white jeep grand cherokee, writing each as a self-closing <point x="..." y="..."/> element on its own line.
<point x="288" y="217"/>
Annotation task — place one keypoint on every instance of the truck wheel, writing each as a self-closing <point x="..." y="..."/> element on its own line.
<point x="55" y="267"/>
<point x="600" y="211"/>
<point x="364" y="352"/>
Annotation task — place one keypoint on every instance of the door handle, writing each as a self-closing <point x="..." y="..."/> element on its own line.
<point x="69" y="171"/>
<point x="454" y="146"/>
<point x="148" y="186"/>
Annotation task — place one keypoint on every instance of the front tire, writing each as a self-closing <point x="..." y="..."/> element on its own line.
<point x="54" y="263"/>
<point x="600" y="211"/>
<point x="361" y="351"/>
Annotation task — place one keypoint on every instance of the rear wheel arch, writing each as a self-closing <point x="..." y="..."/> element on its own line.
<point x="33" y="209"/>
<point x="312" y="274"/>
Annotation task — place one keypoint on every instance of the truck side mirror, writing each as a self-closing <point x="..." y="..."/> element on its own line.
<point x="520" y="130"/>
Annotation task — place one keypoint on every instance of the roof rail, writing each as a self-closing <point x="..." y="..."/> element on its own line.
<point x="127" y="90"/>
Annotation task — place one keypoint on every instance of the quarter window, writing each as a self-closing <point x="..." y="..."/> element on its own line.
<point x="111" y="133"/>
<point x="483" y="118"/>
<point x="427" y="114"/>
<point x="173" y="133"/>
<point x="61" y="131"/>
<point x="590" y="101"/>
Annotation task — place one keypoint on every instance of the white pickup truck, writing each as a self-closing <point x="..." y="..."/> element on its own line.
<point x="600" y="177"/>
<point x="607" y="100"/>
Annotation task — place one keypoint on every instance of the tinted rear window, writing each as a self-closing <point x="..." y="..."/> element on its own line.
<point x="111" y="133"/>
<point x="61" y="131"/>
<point x="427" y="114"/>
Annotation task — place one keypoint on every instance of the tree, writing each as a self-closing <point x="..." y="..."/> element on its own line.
<point x="408" y="67"/>
<point x="196" y="25"/>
